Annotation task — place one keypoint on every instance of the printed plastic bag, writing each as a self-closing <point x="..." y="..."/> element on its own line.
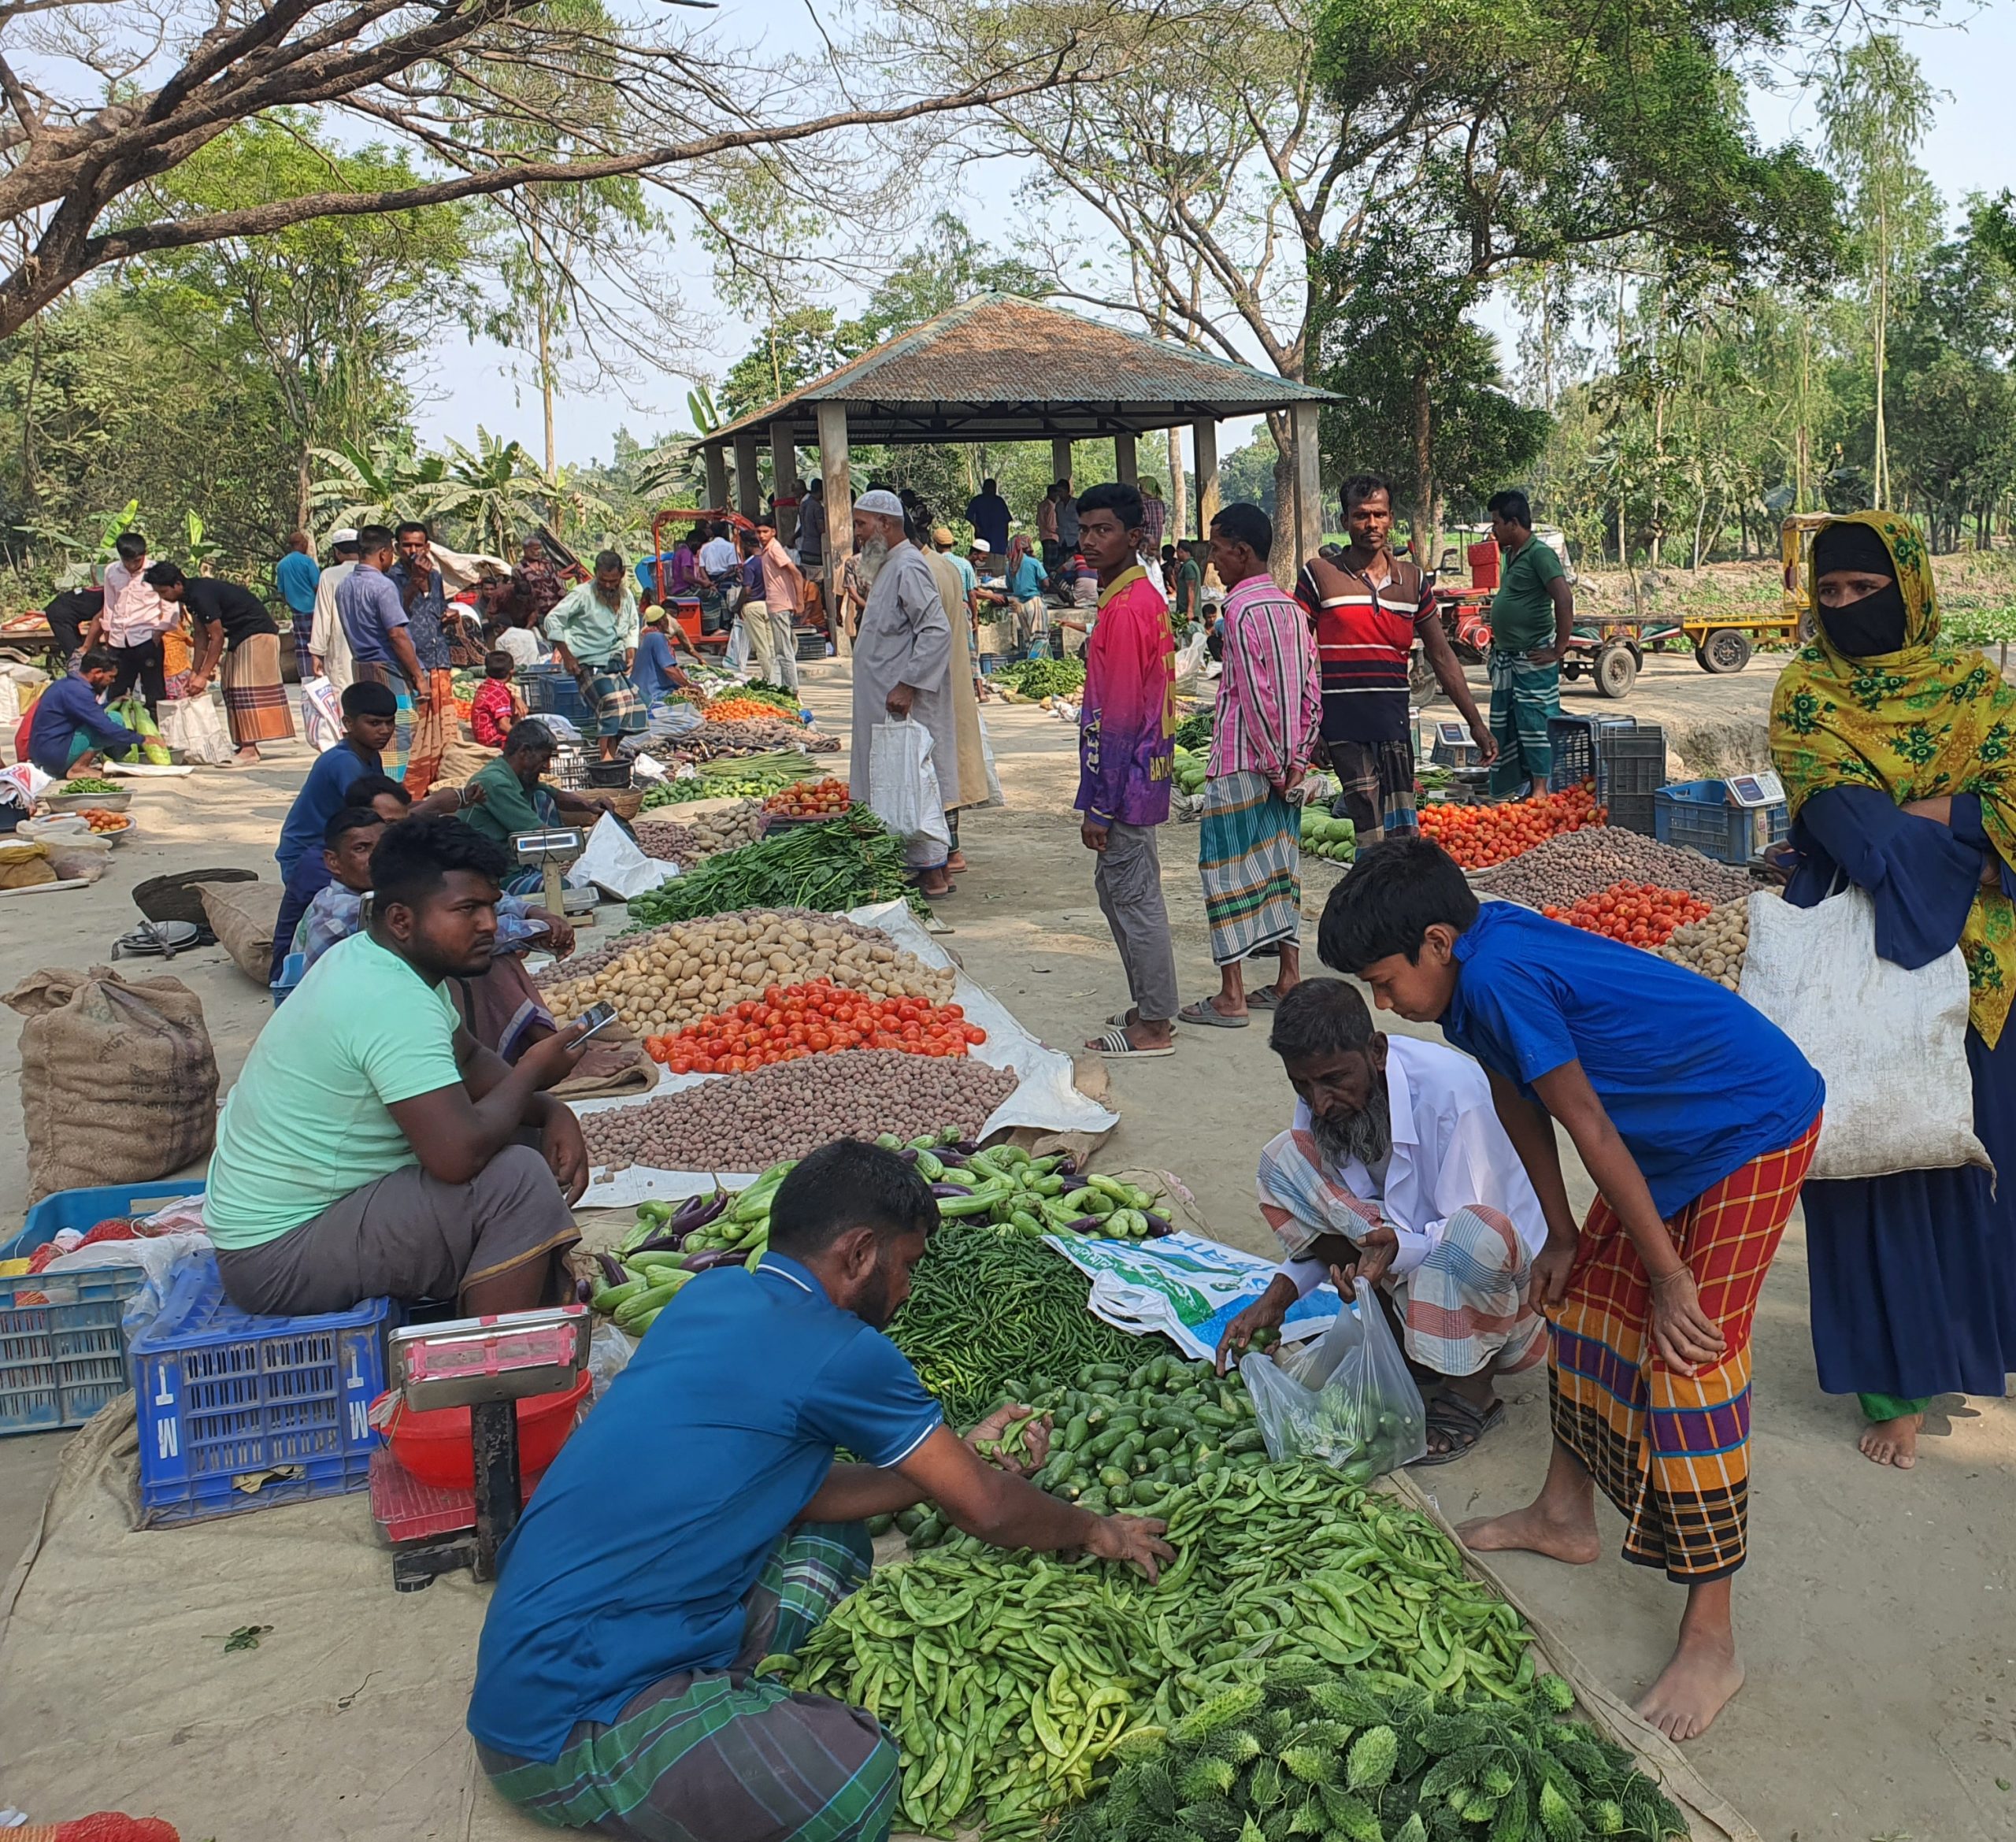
<point x="194" y="728"/>
<point x="133" y="713"/>
<point x="321" y="714"/>
<point x="1347" y="1400"/>
<point x="1815" y="973"/>
<point x="903" y="784"/>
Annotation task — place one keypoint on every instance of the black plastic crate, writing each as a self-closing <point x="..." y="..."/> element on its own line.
<point x="1626" y="758"/>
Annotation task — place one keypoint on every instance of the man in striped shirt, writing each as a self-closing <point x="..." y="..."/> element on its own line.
<point x="1368" y="606"/>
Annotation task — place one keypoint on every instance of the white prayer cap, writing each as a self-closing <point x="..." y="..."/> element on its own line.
<point x="883" y="502"/>
<point x="345" y="535"/>
<point x="981" y="543"/>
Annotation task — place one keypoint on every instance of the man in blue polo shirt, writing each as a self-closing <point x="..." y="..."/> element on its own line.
<point x="697" y="1523"/>
<point x="1697" y="1118"/>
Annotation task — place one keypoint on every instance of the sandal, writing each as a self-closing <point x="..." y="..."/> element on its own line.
<point x="1460" y="1423"/>
<point x="1266" y="998"/>
<point x="1116" y="1042"/>
<point x="1204" y="1011"/>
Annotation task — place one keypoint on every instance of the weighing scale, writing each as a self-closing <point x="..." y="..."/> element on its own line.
<point x="550" y="852"/>
<point x="487" y="1365"/>
<point x="1757" y="794"/>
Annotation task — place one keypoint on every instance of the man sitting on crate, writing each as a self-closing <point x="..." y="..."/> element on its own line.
<point x="514" y="798"/>
<point x="1396" y="1169"/>
<point x="372" y="1148"/>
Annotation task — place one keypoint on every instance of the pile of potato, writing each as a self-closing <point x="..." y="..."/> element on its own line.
<point x="1559" y="872"/>
<point x="668" y="976"/>
<point x="727" y="829"/>
<point x="668" y="842"/>
<point x="1714" y="945"/>
<point x="750" y="1121"/>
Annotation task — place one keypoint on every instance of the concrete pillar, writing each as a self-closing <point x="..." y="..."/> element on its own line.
<point x="1125" y="468"/>
<point x="1308" y="481"/>
<point x="784" y="475"/>
<point x="1204" y="438"/>
<point x="748" y="484"/>
<point x="1179" y="493"/>
<point x="840" y="513"/>
<point x="716" y="476"/>
<point x="1060" y="458"/>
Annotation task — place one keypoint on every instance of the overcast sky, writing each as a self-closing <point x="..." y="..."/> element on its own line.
<point x="1974" y="64"/>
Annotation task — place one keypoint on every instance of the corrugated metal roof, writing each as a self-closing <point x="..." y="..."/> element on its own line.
<point x="1000" y="368"/>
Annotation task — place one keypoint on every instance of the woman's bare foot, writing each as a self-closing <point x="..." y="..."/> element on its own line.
<point x="1536" y="1529"/>
<point x="1694" y="1688"/>
<point x="1892" y="1441"/>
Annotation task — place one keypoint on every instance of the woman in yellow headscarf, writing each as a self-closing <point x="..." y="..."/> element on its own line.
<point x="1898" y="751"/>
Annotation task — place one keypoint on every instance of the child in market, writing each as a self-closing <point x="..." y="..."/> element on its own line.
<point x="496" y="704"/>
<point x="1697" y="1118"/>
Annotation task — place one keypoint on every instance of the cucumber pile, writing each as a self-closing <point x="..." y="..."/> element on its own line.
<point x="1034" y="1196"/>
<point x="1327" y="837"/>
<point x="1188" y="772"/>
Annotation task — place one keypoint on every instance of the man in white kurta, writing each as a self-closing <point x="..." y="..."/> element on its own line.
<point x="903" y="666"/>
<point x="1396" y="1168"/>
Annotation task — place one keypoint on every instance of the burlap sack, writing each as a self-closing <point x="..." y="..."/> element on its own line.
<point x="243" y="916"/>
<point x="118" y="1081"/>
<point x="24" y="865"/>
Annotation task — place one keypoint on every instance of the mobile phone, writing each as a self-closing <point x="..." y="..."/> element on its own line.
<point x="596" y="1017"/>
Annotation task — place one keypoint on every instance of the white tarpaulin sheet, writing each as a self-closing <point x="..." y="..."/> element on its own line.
<point x="1045" y="1096"/>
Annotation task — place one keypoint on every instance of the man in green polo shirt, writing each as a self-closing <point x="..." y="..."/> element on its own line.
<point x="516" y="799"/>
<point x="1530" y="616"/>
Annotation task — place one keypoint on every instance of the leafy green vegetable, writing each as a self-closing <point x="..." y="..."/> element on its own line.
<point x="840" y="864"/>
<point x="1194" y="733"/>
<point x="1043" y="677"/>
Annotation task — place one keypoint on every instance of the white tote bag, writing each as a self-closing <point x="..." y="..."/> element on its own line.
<point x="903" y="782"/>
<point x="1891" y="1045"/>
<point x="195" y="728"/>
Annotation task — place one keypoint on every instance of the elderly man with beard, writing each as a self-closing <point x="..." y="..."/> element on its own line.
<point x="903" y="666"/>
<point x="1397" y="1168"/>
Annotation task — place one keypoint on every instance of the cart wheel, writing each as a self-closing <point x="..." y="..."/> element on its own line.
<point x="1726" y="650"/>
<point x="1616" y="670"/>
<point x="1423" y="686"/>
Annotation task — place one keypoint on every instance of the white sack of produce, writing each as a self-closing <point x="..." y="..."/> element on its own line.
<point x="1045" y="1098"/>
<point x="615" y="864"/>
<point x="1815" y="973"/>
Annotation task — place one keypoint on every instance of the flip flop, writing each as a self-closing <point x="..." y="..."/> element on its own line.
<point x="1264" y="998"/>
<point x="1459" y="1422"/>
<point x="1115" y="1042"/>
<point x="1204" y="1012"/>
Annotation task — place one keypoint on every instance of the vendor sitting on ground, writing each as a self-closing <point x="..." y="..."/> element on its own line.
<point x="371" y="1147"/>
<point x="507" y="796"/>
<point x="696" y="1522"/>
<point x="369" y="712"/>
<point x="1396" y="1170"/>
<point x="68" y="726"/>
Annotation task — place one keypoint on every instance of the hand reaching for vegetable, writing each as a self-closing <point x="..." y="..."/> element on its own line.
<point x="1266" y="1312"/>
<point x="1136" y="1540"/>
<point x="1014" y="1438"/>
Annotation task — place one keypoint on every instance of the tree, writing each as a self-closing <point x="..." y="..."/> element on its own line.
<point x="118" y="96"/>
<point x="1875" y="112"/>
<point x="496" y="492"/>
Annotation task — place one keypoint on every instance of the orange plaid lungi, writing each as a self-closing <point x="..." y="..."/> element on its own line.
<point x="1672" y="1451"/>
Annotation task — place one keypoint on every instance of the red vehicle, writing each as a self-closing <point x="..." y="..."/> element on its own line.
<point x="675" y="519"/>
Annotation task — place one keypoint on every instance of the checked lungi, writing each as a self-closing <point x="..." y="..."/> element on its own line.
<point x="1249" y="854"/>
<point x="254" y="699"/>
<point x="1523" y="697"/>
<point x="1672" y="1452"/>
<point x="614" y="706"/>
<point x="1378" y="783"/>
<point x="435" y="725"/>
<point x="711" y="1753"/>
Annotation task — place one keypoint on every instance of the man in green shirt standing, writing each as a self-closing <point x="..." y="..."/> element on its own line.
<point x="1188" y="586"/>
<point x="1530" y="616"/>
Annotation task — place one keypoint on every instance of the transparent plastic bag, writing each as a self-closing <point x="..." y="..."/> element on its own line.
<point x="1347" y="1400"/>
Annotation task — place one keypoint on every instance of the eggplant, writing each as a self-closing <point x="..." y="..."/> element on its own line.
<point x="665" y="1241"/>
<point x="965" y="1147"/>
<point x="715" y="1257"/>
<point x="612" y="1268"/>
<point x="1159" y="1225"/>
<point x="944" y="1192"/>
<point x="1089" y="1225"/>
<point x="584" y="1290"/>
<point x="908" y="1154"/>
<point x="1068" y="1168"/>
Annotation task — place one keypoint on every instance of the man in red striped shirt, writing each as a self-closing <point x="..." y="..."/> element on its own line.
<point x="1368" y="606"/>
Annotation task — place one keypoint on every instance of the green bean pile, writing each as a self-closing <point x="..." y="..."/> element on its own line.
<point x="991" y="1305"/>
<point x="1007" y="1678"/>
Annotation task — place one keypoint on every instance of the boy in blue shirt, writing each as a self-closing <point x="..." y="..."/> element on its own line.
<point x="68" y="725"/>
<point x="696" y="1523"/>
<point x="1697" y="1118"/>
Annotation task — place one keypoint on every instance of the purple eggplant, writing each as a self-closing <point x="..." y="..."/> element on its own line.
<point x="585" y="1290"/>
<point x="612" y="1268"/>
<point x="1089" y="1225"/>
<point x="965" y="1147"/>
<point x="665" y="1241"/>
<point x="1159" y="1225"/>
<point x="715" y="1257"/>
<point x="908" y="1154"/>
<point x="944" y="1192"/>
<point x="1068" y="1168"/>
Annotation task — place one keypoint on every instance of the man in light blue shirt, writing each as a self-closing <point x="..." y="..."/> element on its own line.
<point x="295" y="576"/>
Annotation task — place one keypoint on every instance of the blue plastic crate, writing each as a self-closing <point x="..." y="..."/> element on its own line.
<point x="225" y="1397"/>
<point x="62" y="1353"/>
<point x="83" y="1210"/>
<point x="549" y="689"/>
<point x="1697" y="815"/>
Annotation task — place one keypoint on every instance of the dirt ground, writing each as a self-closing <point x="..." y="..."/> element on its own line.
<point x="1878" y="1613"/>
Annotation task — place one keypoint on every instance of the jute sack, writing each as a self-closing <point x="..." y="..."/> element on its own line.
<point x="118" y="1081"/>
<point x="243" y="916"/>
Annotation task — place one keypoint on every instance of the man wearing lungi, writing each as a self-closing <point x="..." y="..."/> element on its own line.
<point x="1532" y="616"/>
<point x="593" y="630"/>
<point x="1697" y="1118"/>
<point x="435" y="722"/>
<point x="696" y="1523"/>
<point x="234" y="630"/>
<point x="1249" y="847"/>
<point x="1397" y="1171"/>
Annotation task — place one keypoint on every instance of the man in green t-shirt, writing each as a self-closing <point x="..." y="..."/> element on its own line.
<point x="1188" y="586"/>
<point x="1530" y="616"/>
<point x="372" y="1146"/>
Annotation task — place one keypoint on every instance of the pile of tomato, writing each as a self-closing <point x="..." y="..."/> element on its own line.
<point x="1477" y="836"/>
<point x="1641" y="914"/>
<point x="809" y="799"/>
<point x="818" y="1017"/>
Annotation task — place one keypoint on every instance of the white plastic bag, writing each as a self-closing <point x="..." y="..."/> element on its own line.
<point x="195" y="728"/>
<point x="1891" y="1045"/>
<point x="615" y="863"/>
<point x="321" y="714"/>
<point x="1349" y="1400"/>
<point x="903" y="783"/>
<point x="1190" y="660"/>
